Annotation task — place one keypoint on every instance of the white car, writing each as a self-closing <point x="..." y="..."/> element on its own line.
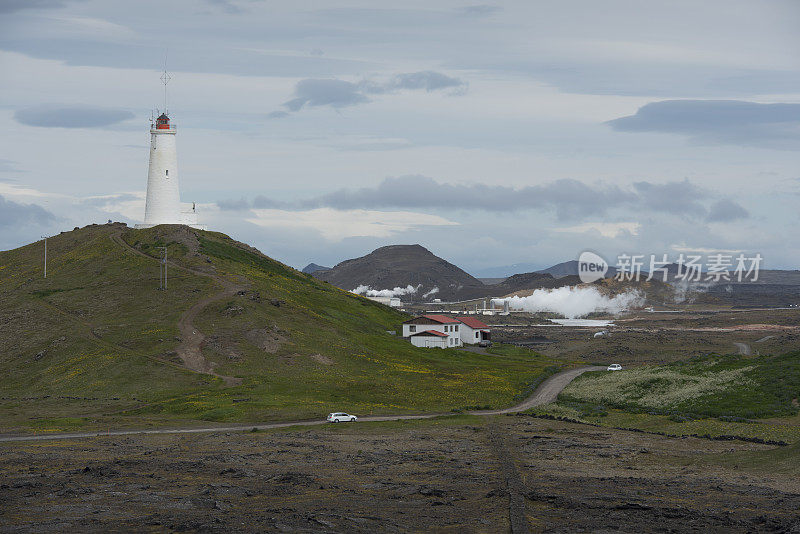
<point x="336" y="417"/>
<point x="615" y="367"/>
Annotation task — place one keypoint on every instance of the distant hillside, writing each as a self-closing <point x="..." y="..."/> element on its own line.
<point x="311" y="268"/>
<point x="401" y="266"/>
<point x="520" y="282"/>
<point x="236" y="336"/>
<point x="504" y="271"/>
<point x="570" y="268"/>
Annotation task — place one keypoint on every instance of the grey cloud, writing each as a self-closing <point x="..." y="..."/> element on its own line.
<point x="10" y="6"/>
<point x="428" y="80"/>
<point x="58" y="116"/>
<point x="726" y="210"/>
<point x="16" y="214"/>
<point x="259" y="202"/>
<point x="277" y="114"/>
<point x="226" y="5"/>
<point x="334" y="93"/>
<point x="340" y="93"/>
<point x="6" y="165"/>
<point x="680" y="198"/>
<point x="105" y="200"/>
<point x="267" y="203"/>
<point x="721" y="121"/>
<point x="569" y="199"/>
<point x="481" y="10"/>
<point x="234" y="205"/>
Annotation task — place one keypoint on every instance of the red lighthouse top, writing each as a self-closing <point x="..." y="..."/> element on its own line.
<point x="162" y="122"/>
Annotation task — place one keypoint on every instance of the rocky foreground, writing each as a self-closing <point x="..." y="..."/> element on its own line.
<point x="500" y="474"/>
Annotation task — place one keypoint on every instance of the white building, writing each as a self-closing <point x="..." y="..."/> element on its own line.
<point x="473" y="331"/>
<point x="394" y="302"/>
<point x="163" y="203"/>
<point x="430" y="339"/>
<point x="439" y="331"/>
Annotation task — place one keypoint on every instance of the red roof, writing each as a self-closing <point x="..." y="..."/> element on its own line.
<point x="472" y="322"/>
<point x="429" y="333"/>
<point x="441" y="319"/>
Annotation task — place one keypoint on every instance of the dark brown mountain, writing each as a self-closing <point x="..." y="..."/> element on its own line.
<point x="403" y="265"/>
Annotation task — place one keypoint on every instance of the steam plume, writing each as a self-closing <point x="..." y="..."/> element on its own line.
<point x="396" y="292"/>
<point x="431" y="292"/>
<point x="576" y="301"/>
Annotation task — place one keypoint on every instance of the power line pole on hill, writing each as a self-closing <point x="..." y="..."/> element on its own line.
<point x="45" y="255"/>
<point x="162" y="269"/>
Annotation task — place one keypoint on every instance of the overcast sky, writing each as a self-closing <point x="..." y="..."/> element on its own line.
<point x="492" y="134"/>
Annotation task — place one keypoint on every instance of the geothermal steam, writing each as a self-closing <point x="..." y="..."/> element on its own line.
<point x="396" y="292"/>
<point x="431" y="292"/>
<point x="573" y="302"/>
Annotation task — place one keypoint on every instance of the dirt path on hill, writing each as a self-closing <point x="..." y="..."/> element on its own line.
<point x="189" y="350"/>
<point x="744" y="348"/>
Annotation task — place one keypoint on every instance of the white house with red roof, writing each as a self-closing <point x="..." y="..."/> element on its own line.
<point x="433" y="331"/>
<point x="473" y="331"/>
<point x="443" y="331"/>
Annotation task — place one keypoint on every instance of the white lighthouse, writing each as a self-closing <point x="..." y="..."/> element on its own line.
<point x="163" y="203"/>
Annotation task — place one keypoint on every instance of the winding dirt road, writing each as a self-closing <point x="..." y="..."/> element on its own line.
<point x="545" y="393"/>
<point x="189" y="349"/>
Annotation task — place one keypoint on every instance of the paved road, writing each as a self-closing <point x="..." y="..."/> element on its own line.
<point x="545" y="393"/>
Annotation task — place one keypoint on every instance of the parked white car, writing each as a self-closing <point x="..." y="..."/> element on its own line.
<point x="337" y="417"/>
<point x="615" y="367"/>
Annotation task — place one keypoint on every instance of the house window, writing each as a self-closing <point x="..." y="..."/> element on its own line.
<point x="456" y="327"/>
<point x="167" y="171"/>
<point x="477" y="335"/>
<point x="412" y="328"/>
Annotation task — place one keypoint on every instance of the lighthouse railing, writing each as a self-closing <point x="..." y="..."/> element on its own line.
<point x="164" y="128"/>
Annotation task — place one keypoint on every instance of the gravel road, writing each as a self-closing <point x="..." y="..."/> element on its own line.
<point x="545" y="393"/>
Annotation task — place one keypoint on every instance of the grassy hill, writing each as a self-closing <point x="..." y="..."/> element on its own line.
<point x="96" y="344"/>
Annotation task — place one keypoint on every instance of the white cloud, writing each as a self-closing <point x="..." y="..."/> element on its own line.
<point x="605" y="229"/>
<point x="704" y="250"/>
<point x="336" y="225"/>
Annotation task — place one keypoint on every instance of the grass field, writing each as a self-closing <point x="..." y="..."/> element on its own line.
<point x="92" y="345"/>
<point x="716" y="396"/>
<point x="714" y="386"/>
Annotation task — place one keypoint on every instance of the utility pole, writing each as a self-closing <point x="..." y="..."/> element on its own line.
<point x="45" y="255"/>
<point x="165" y="267"/>
<point x="162" y="269"/>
